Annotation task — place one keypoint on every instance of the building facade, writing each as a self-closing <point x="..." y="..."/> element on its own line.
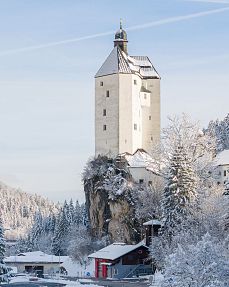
<point x="127" y="102"/>
<point x="35" y="262"/>
<point x="120" y="260"/>
<point x="222" y="162"/>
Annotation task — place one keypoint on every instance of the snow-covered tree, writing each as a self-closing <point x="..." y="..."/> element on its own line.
<point x="204" y="264"/>
<point x="179" y="194"/>
<point x="148" y="202"/>
<point x="219" y="130"/>
<point x="18" y="210"/>
<point x="3" y="268"/>
<point x="198" y="147"/>
<point x="59" y="244"/>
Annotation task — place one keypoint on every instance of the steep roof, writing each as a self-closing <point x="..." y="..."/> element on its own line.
<point x="223" y="157"/>
<point x="119" y="62"/>
<point x="139" y="159"/>
<point x="115" y="251"/>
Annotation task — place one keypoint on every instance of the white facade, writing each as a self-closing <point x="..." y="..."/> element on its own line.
<point x="222" y="161"/>
<point x="142" y="167"/>
<point x="127" y="104"/>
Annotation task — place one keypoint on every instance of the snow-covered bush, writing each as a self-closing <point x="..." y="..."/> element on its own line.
<point x="205" y="264"/>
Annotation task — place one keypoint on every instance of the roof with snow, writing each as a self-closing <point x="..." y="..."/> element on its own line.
<point x="141" y="159"/>
<point x="35" y="257"/>
<point x="223" y="157"/>
<point x="152" y="222"/>
<point x="119" y="62"/>
<point x="115" y="250"/>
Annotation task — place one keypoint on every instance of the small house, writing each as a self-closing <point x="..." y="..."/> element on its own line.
<point x="222" y="161"/>
<point x="120" y="260"/>
<point x="35" y="262"/>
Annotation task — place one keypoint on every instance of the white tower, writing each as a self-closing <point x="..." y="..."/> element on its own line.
<point x="127" y="102"/>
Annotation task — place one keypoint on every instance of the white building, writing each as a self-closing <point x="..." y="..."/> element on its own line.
<point x="35" y="262"/>
<point x="127" y="102"/>
<point x="222" y="161"/>
<point x="141" y="167"/>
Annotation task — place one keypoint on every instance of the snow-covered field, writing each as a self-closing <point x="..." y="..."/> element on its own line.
<point x="25" y="278"/>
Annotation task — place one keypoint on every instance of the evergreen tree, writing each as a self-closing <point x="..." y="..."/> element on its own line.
<point x="3" y="268"/>
<point x="59" y="244"/>
<point x="179" y="193"/>
<point x="2" y="243"/>
<point x="220" y="130"/>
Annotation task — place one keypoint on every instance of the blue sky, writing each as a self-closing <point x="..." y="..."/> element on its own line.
<point x="47" y="91"/>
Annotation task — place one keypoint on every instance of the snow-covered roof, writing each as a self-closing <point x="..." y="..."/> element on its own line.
<point x="119" y="62"/>
<point x="152" y="222"/>
<point x="115" y="251"/>
<point x="139" y="159"/>
<point x="223" y="157"/>
<point x="35" y="257"/>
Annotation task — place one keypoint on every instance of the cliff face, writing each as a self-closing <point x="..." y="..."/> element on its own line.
<point x="122" y="226"/>
<point x="109" y="203"/>
<point x="97" y="210"/>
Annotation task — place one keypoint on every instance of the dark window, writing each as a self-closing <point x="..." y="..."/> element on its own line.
<point x="104" y="127"/>
<point x="108" y="94"/>
<point x="101" y="84"/>
<point x="135" y="82"/>
<point x="150" y="182"/>
<point x="135" y="127"/>
<point x="141" y="181"/>
<point x="104" y="112"/>
<point x="225" y="173"/>
<point x="150" y="118"/>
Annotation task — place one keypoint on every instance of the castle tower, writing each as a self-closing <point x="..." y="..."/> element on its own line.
<point x="127" y="102"/>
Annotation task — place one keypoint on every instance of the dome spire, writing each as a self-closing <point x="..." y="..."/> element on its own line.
<point x="120" y="23"/>
<point x="121" y="38"/>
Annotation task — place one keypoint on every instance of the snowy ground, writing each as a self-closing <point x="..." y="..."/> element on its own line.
<point x="26" y="279"/>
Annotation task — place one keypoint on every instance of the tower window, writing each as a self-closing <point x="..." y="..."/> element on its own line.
<point x="135" y="82"/>
<point x="101" y="84"/>
<point x="141" y="181"/>
<point x="150" y="182"/>
<point x="108" y="94"/>
<point x="104" y="112"/>
<point x="150" y="118"/>
<point x="225" y="173"/>
<point x="104" y="127"/>
<point x="135" y="127"/>
<point x="145" y="96"/>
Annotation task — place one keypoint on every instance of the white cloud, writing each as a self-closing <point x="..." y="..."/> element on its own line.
<point x="211" y="1"/>
<point x="136" y="27"/>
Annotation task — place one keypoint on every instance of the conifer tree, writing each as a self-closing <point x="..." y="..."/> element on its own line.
<point x="3" y="269"/>
<point x="179" y="193"/>
<point x="2" y="243"/>
<point x="59" y="244"/>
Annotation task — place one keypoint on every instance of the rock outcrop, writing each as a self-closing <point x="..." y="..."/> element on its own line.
<point x="110" y="202"/>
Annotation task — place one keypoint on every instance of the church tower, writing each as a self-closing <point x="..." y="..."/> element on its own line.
<point x="127" y="102"/>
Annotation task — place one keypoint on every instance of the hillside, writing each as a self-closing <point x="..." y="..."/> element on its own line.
<point x="220" y="130"/>
<point x="17" y="209"/>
